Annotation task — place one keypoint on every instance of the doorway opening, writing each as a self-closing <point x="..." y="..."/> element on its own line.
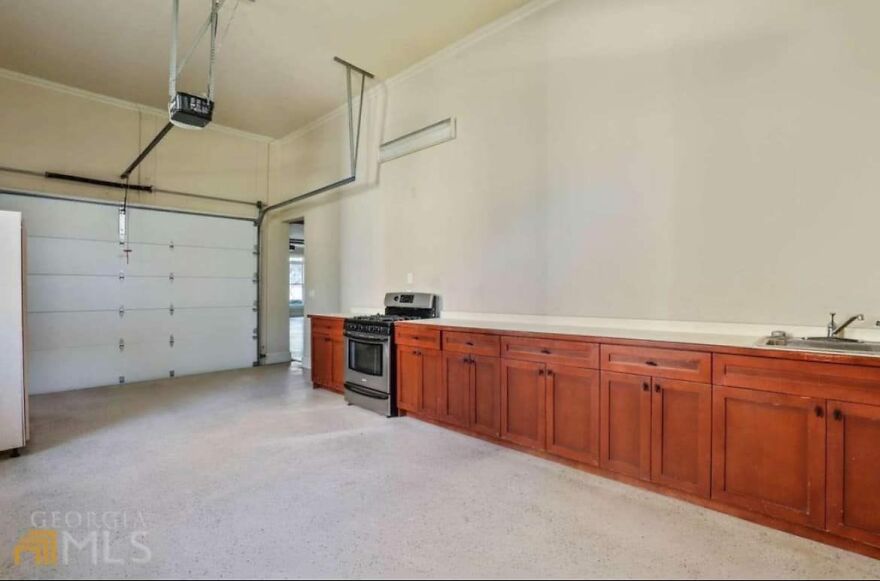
<point x="296" y="288"/>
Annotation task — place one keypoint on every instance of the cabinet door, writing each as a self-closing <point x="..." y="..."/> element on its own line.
<point x="456" y="394"/>
<point x="573" y="413"/>
<point x="768" y="453"/>
<point x="625" y="421"/>
<point x="409" y="379"/>
<point x="337" y="372"/>
<point x="523" y="401"/>
<point x="681" y="435"/>
<point x="431" y="382"/>
<point x="486" y="395"/>
<point x="854" y="471"/>
<point x="322" y="360"/>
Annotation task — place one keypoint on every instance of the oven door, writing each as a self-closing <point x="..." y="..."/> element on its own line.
<point x="368" y="362"/>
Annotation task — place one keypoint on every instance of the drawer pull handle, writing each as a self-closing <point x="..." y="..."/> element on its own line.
<point x="545" y="351"/>
<point x="819" y="411"/>
<point x="416" y="337"/>
<point x="651" y="363"/>
<point x="469" y="343"/>
<point x="838" y="415"/>
<point x="646" y="386"/>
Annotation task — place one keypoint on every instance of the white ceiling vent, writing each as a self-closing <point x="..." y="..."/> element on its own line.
<point x="420" y="139"/>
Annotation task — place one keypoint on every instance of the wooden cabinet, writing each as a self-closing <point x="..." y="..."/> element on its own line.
<point x="337" y="370"/>
<point x="417" y="336"/>
<point x="693" y="366"/>
<point x="573" y="413"/>
<point x="485" y="392"/>
<point x="681" y="435"/>
<point x="456" y="393"/>
<point x="471" y="392"/>
<point x="523" y="401"/>
<point x="419" y="380"/>
<point x="472" y="343"/>
<point x="854" y="471"/>
<point x="625" y="420"/>
<point x="322" y="360"/>
<point x="328" y="353"/>
<point x="544" y="350"/>
<point x="409" y="379"/>
<point x="768" y="453"/>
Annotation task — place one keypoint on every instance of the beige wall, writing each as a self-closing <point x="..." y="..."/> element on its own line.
<point x="46" y="127"/>
<point x="680" y="160"/>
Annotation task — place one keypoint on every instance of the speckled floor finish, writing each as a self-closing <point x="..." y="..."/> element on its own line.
<point x="254" y="474"/>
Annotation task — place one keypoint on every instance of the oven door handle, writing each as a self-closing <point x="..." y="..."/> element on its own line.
<point x="366" y="391"/>
<point x="371" y="339"/>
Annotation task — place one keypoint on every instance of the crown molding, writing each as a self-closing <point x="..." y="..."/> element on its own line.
<point x="121" y="103"/>
<point x="443" y="54"/>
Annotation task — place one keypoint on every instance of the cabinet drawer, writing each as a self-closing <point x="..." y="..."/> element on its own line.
<point x="417" y="336"/>
<point x="574" y="353"/>
<point x="473" y="343"/>
<point x="667" y="363"/>
<point x="822" y="380"/>
<point x="327" y="325"/>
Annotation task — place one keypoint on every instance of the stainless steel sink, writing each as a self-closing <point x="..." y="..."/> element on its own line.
<point x="821" y="344"/>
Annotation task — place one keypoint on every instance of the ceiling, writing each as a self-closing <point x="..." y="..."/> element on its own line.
<point x="274" y="71"/>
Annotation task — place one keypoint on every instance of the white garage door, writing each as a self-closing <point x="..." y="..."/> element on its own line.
<point x="183" y="301"/>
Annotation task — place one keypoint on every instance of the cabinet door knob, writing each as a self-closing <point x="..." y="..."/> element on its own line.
<point x="657" y="387"/>
<point x="646" y="386"/>
<point x="838" y="415"/>
<point x="819" y="411"/>
<point x="541" y="371"/>
<point x="549" y="372"/>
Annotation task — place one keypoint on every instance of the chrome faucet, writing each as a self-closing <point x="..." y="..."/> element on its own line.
<point x="835" y="330"/>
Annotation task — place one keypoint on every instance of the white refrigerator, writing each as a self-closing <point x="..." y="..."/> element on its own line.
<point x="13" y="388"/>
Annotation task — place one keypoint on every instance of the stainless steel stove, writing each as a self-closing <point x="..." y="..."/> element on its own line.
<point x="369" y="350"/>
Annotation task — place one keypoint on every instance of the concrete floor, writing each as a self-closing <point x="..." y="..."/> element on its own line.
<point x="253" y="474"/>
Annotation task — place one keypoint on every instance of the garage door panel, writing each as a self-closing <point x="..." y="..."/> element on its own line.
<point x="71" y="256"/>
<point x="73" y="293"/>
<point x="149" y="260"/>
<point x="146" y="293"/>
<point x="210" y="292"/>
<point x="217" y="262"/>
<point x="149" y="326"/>
<point x="184" y="229"/>
<point x="213" y="324"/>
<point x="63" y="219"/>
<point x="146" y="361"/>
<point x="226" y="353"/>
<point x="75" y="368"/>
<point x="73" y="329"/>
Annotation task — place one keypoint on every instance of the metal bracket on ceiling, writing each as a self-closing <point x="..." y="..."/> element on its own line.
<point x="354" y="138"/>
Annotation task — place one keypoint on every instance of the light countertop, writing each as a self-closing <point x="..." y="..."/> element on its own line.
<point x="671" y="336"/>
